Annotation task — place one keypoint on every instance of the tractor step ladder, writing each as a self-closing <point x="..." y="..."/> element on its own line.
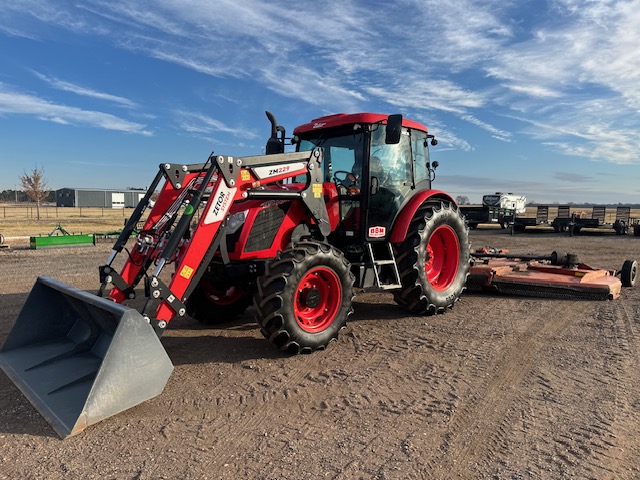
<point x="379" y="265"/>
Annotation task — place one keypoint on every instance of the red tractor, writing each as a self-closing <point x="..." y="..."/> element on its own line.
<point x="291" y="233"/>
<point x="353" y="208"/>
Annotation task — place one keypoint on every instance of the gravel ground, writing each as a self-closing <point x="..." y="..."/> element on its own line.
<point x="498" y="387"/>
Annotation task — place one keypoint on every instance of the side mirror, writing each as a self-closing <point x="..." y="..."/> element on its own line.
<point x="394" y="129"/>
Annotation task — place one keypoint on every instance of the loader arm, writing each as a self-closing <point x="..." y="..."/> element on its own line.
<point x="146" y="250"/>
<point x="221" y="182"/>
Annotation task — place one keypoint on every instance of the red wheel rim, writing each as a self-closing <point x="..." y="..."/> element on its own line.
<point x="221" y="296"/>
<point x="443" y="258"/>
<point x="317" y="299"/>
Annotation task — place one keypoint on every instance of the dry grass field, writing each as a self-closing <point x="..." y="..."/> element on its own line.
<point x="19" y="220"/>
<point x="496" y="388"/>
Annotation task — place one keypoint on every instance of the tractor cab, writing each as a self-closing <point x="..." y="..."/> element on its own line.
<point x="377" y="164"/>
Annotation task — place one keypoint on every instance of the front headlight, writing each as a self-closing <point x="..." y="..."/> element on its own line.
<point x="235" y="221"/>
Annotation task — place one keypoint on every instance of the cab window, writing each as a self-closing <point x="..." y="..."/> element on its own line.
<point x="341" y="153"/>
<point x="420" y="153"/>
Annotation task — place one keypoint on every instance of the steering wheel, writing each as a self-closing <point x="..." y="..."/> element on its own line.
<point x="344" y="179"/>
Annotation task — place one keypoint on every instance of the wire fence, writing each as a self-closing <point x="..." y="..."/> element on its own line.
<point x="30" y="212"/>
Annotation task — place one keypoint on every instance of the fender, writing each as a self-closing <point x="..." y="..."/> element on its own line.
<point x="401" y="225"/>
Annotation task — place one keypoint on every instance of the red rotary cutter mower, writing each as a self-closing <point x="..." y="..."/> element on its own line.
<point x="549" y="276"/>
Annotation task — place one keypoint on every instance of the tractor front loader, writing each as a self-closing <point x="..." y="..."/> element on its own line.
<point x="291" y="233"/>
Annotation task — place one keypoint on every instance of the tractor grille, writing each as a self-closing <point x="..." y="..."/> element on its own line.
<point x="265" y="227"/>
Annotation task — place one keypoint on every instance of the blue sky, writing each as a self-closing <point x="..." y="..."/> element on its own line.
<point x="540" y="98"/>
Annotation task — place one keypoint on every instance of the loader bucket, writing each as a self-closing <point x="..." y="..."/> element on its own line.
<point x="80" y="358"/>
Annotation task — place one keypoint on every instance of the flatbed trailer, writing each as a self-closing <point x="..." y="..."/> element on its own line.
<point x="541" y="219"/>
<point x="564" y="219"/>
<point x="574" y="223"/>
<point x="598" y="220"/>
<point x="477" y="215"/>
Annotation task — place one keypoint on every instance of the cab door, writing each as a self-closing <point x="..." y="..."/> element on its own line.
<point x="390" y="176"/>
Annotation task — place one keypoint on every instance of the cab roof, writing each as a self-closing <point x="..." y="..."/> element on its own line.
<point x="341" y="119"/>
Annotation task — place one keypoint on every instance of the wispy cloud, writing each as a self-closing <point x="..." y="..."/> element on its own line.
<point x="13" y="102"/>
<point x="533" y="91"/>
<point x="473" y="61"/>
<point x="83" y="91"/>
<point x="309" y="85"/>
<point x="17" y="13"/>
<point x="572" y="177"/>
<point x="447" y="138"/>
<point x="200" y="124"/>
<point x="601" y="130"/>
<point x="496" y="132"/>
<point x="428" y="94"/>
<point x="13" y="32"/>
<point x="577" y="80"/>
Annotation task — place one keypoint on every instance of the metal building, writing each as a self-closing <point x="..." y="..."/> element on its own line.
<point x="88" y="197"/>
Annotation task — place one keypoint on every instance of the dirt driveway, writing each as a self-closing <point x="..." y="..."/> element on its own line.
<point x="504" y="388"/>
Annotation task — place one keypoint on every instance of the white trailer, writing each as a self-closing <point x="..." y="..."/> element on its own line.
<point x="506" y="201"/>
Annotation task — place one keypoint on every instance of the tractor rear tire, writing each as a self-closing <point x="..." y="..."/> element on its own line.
<point x="433" y="260"/>
<point x="304" y="298"/>
<point x="214" y="305"/>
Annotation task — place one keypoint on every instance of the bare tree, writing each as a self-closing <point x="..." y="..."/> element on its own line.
<point x="35" y="185"/>
<point x="462" y="200"/>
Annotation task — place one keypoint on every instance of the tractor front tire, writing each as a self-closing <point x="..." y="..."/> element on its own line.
<point x="433" y="260"/>
<point x="214" y="305"/>
<point x="304" y="298"/>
